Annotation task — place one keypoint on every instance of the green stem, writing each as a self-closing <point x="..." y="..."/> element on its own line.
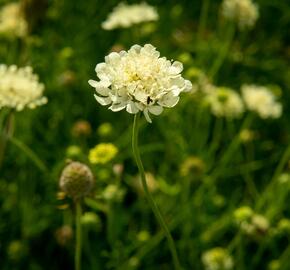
<point x="235" y="143"/>
<point x="277" y="173"/>
<point x="150" y="199"/>
<point x="5" y="133"/>
<point x="29" y="153"/>
<point x="203" y="18"/>
<point x="78" y="250"/>
<point x="223" y="52"/>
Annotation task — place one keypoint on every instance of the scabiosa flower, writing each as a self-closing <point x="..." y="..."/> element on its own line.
<point x="139" y="80"/>
<point x="261" y="100"/>
<point x="20" y="88"/>
<point x="76" y="180"/>
<point x="225" y="102"/>
<point x="257" y="226"/>
<point x="102" y="153"/>
<point x="217" y="259"/>
<point x="244" y="12"/>
<point x="12" y="22"/>
<point x="124" y="16"/>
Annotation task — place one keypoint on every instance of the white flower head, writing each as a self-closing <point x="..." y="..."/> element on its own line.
<point x="217" y="259"/>
<point x="225" y="102"/>
<point x="124" y="16"/>
<point x="12" y="22"/>
<point x="244" y="12"/>
<point x="139" y="80"/>
<point x="20" y="88"/>
<point x="261" y="100"/>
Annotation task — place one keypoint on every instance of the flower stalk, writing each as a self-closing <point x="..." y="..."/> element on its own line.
<point x="78" y="247"/>
<point x="223" y="51"/>
<point x="5" y="133"/>
<point x="149" y="197"/>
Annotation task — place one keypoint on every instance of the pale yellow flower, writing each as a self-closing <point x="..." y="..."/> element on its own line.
<point x="261" y="100"/>
<point x="225" y="102"/>
<point x="244" y="12"/>
<point x="124" y="16"/>
<point x="12" y="22"/>
<point x="20" y="88"/>
<point x="139" y="80"/>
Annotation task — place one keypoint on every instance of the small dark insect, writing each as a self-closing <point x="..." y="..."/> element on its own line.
<point x="149" y="100"/>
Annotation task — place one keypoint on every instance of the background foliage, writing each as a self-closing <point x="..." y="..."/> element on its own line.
<point x="198" y="197"/>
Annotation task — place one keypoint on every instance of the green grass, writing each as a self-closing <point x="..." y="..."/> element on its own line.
<point x="63" y="48"/>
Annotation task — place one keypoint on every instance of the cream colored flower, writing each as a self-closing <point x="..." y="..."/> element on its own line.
<point x="217" y="259"/>
<point x="262" y="101"/>
<point x="20" y="88"/>
<point x="257" y="226"/>
<point x="124" y="16"/>
<point x="12" y="22"/>
<point x="244" y="12"/>
<point x="139" y="80"/>
<point x="225" y="102"/>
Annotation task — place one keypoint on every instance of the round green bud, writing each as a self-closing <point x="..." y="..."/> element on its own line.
<point x="91" y="220"/>
<point x="76" y="180"/>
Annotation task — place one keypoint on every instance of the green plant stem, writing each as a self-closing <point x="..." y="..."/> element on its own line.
<point x="5" y="133"/>
<point x="235" y="143"/>
<point x="78" y="250"/>
<point x="277" y="173"/>
<point x="150" y="199"/>
<point x="222" y="52"/>
<point x="29" y="153"/>
<point x="203" y="18"/>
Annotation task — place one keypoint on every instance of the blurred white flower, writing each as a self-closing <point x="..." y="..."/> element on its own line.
<point x="139" y="80"/>
<point x="258" y="225"/>
<point x="244" y="12"/>
<point x="225" y="102"/>
<point x="20" y="88"/>
<point x="217" y="259"/>
<point x="12" y="22"/>
<point x="124" y="16"/>
<point x="262" y="101"/>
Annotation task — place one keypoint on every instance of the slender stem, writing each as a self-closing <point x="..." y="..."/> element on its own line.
<point x="203" y="18"/>
<point x="235" y="143"/>
<point x="277" y="173"/>
<point x="223" y="52"/>
<point x="78" y="250"/>
<point x="37" y="161"/>
<point x="150" y="199"/>
<point x="5" y="133"/>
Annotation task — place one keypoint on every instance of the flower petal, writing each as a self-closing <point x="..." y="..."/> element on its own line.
<point x="156" y="110"/>
<point x="101" y="87"/>
<point x="118" y="107"/>
<point x="168" y="100"/>
<point x="132" y="108"/>
<point x="175" y="68"/>
<point x="188" y="86"/>
<point x="112" y="58"/>
<point x="146" y="114"/>
<point x="141" y="96"/>
<point x="103" y="100"/>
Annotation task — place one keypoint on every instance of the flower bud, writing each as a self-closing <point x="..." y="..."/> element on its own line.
<point x="76" y="180"/>
<point x="91" y="220"/>
<point x="64" y="235"/>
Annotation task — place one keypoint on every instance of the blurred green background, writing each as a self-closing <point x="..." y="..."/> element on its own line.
<point x="197" y="190"/>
